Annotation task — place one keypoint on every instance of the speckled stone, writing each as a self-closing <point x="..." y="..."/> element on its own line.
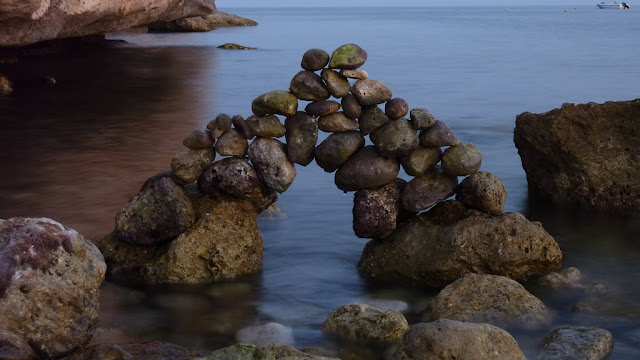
<point x="371" y="92"/>
<point x="421" y="118"/>
<point x="314" y="59"/>
<point x="337" y="84"/>
<point x="438" y="135"/>
<point x="348" y="56"/>
<point x="420" y="160"/>
<point x="483" y="191"/>
<point x="396" y="108"/>
<point x="461" y="159"/>
<point x="275" y="102"/>
<point x="232" y="143"/>
<point x="372" y="117"/>
<point x="267" y="126"/>
<point x="427" y="190"/>
<point x="198" y="139"/>
<point x="219" y="125"/>
<point x="336" y="122"/>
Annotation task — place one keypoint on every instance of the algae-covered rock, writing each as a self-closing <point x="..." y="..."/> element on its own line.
<point x="158" y="213"/>
<point x="366" y="169"/>
<point x="361" y="323"/>
<point x="348" y="56"/>
<point x="275" y="102"/>
<point x="337" y="148"/>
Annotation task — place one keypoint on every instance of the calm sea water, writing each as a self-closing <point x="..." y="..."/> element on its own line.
<point x="77" y="151"/>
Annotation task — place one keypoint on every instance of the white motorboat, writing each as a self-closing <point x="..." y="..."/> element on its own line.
<point x="612" y="5"/>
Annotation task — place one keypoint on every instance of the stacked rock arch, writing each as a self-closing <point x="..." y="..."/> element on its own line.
<point x="256" y="165"/>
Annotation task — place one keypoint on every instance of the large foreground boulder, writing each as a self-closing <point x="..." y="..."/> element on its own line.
<point x="450" y="339"/>
<point x="223" y="244"/>
<point x="202" y="23"/>
<point x="26" y="22"/>
<point x="437" y="247"/>
<point x="583" y="154"/>
<point x="261" y="352"/>
<point x="362" y="323"/>
<point x="49" y="286"/>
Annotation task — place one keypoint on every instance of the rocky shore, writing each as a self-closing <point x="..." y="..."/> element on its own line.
<point x="196" y="224"/>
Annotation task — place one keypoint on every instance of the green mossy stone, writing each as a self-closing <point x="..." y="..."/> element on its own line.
<point x="349" y="56"/>
<point x="275" y="102"/>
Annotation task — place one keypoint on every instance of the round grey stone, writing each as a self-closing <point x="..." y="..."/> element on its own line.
<point x="396" y="138"/>
<point x="461" y="159"/>
<point x="337" y="148"/>
<point x="372" y="117"/>
<point x="307" y="85"/>
<point x="314" y="59"/>
<point x="371" y="92"/>
<point x="269" y="157"/>
<point x="366" y="169"/>
<point x="421" y="160"/>
<point x="427" y="190"/>
<point x="438" y="135"/>
<point x="483" y="191"/>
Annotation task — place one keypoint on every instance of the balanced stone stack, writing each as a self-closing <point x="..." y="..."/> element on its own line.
<point x="256" y="166"/>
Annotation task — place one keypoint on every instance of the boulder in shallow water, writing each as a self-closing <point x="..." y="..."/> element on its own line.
<point x="158" y="213"/>
<point x="583" y="154"/>
<point x="449" y="339"/>
<point x="483" y="191"/>
<point x="269" y="158"/>
<point x="223" y="244"/>
<point x="361" y="323"/>
<point x="366" y="169"/>
<point x="49" y="287"/>
<point x="275" y="102"/>
<point x="491" y="299"/>
<point x="376" y="212"/>
<point x="232" y="46"/>
<point x="577" y="343"/>
<point x="437" y="247"/>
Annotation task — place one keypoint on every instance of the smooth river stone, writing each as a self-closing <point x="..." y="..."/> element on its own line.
<point x="198" y="139"/>
<point x="366" y="169"/>
<point x="372" y="117"/>
<point x="396" y="108"/>
<point x="314" y="59"/>
<point x="483" y="191"/>
<point x="337" y="148"/>
<point x="232" y="143"/>
<point x="302" y="136"/>
<point x="219" y="125"/>
<point x="348" y="56"/>
<point x="275" y="102"/>
<point x="319" y="108"/>
<point x="188" y="164"/>
<point x="371" y="92"/>
<point x="267" y="126"/>
<point x="269" y="157"/>
<point x="307" y="85"/>
<point x="438" y="135"/>
<point x="421" y="118"/>
<point x="337" y="84"/>
<point x="396" y="138"/>
<point x="376" y="212"/>
<point x="350" y="106"/>
<point x="355" y="74"/>
<point x="420" y="160"/>
<point x="461" y="159"/>
<point x="237" y="177"/>
<point x="337" y="122"/>
<point x="240" y="124"/>
<point x="427" y="190"/>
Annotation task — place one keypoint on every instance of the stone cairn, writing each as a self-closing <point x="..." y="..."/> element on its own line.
<point x="257" y="171"/>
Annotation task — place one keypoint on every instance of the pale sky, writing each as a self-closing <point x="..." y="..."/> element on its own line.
<point x="320" y="3"/>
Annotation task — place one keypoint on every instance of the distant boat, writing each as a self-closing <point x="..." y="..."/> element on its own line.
<point x="612" y="5"/>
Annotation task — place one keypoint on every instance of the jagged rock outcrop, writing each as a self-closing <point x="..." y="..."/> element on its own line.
<point x="26" y="22"/>
<point x="584" y="154"/>
<point x="202" y="23"/>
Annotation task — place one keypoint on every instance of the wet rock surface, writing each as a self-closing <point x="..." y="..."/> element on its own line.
<point x="376" y="212"/>
<point x="366" y="169"/>
<point x="270" y="160"/>
<point x="366" y="324"/>
<point x="573" y="343"/>
<point x="337" y="148"/>
<point x="483" y="191"/>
